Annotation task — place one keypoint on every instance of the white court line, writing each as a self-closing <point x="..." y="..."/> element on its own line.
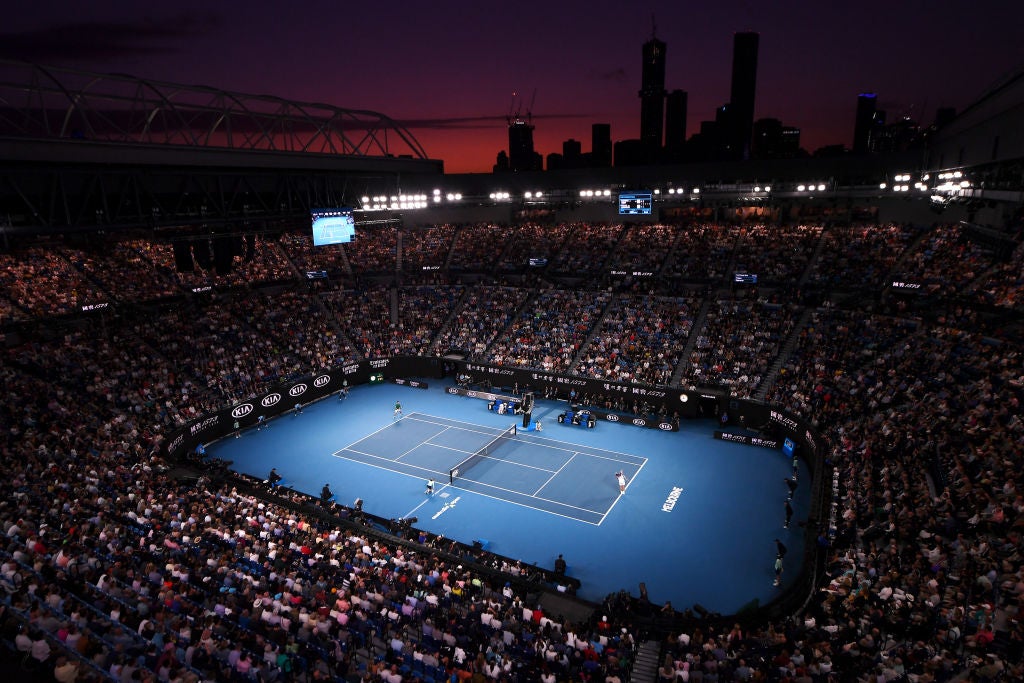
<point x="408" y="452"/>
<point x="478" y="493"/>
<point x="382" y="467"/>
<point x="527" y="495"/>
<point x="378" y="431"/>
<point x="583" y="448"/>
<point x="561" y="446"/>
<point x="425" y="501"/>
<point x="447" y="448"/>
<point x="531" y="440"/>
<point x="510" y="462"/>
<point x="554" y="474"/>
<point x="467" y="428"/>
<point x="532" y="507"/>
<point x="619" y="497"/>
<point x="363" y="439"/>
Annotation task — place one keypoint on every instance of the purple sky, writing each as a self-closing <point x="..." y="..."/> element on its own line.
<point x="453" y="67"/>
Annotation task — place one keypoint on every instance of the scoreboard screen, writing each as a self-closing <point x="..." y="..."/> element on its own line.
<point x="332" y="226"/>
<point x="635" y="203"/>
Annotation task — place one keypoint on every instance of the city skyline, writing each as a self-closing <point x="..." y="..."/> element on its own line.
<point x="448" y="71"/>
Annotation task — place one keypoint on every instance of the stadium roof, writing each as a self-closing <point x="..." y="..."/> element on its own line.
<point x="39" y="102"/>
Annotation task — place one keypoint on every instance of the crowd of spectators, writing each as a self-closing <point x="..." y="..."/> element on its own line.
<point x="125" y="269"/>
<point x="1003" y="286"/>
<point x="701" y="253"/>
<point x="365" y="315"/>
<point x="478" y="246"/>
<point x="860" y="256"/>
<point x="550" y="331"/>
<point x="377" y="331"/>
<point x="587" y="248"/>
<point x="374" y="251"/>
<point x="640" y="340"/>
<point x="533" y="241"/>
<point x="484" y="313"/>
<point x="422" y="311"/>
<point x="741" y="336"/>
<point x="114" y="568"/>
<point x="946" y="261"/>
<point x="925" y="574"/>
<point x="426" y="247"/>
<point x="643" y="249"/>
<point x="776" y="254"/>
<point x="298" y="246"/>
<point x="38" y="281"/>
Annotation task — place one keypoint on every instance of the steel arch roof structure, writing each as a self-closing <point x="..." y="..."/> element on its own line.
<point x="60" y="103"/>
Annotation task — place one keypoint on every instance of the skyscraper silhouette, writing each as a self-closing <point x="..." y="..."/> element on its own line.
<point x="741" y="100"/>
<point x="601" y="145"/>
<point x="675" y="122"/>
<point x="652" y="94"/>
<point x="521" y="155"/>
<point x="865" y="122"/>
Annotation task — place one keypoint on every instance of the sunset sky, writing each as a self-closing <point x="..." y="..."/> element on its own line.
<point x="453" y="71"/>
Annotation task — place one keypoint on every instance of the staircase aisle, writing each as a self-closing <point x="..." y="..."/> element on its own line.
<point x="645" y="668"/>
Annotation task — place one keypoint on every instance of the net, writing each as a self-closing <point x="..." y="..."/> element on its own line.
<point x="461" y="469"/>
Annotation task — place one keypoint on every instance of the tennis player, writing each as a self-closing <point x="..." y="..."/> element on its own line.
<point x="621" y="478"/>
<point x="430" y="487"/>
<point x="398" y="409"/>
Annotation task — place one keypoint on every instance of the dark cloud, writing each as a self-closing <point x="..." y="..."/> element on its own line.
<point x="616" y="75"/>
<point x="103" y="40"/>
<point x="470" y="122"/>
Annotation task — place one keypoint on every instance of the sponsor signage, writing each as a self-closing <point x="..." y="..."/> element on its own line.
<point x="557" y="379"/>
<point x="748" y="440"/>
<point x="784" y="420"/>
<point x="270" y="400"/>
<point x="650" y="423"/>
<point x="809" y="440"/>
<point x="485" y="395"/>
<point x="175" y="444"/>
<point x="95" y="307"/>
<point x="322" y="381"/>
<point x="415" y="384"/>
<point x="900" y="284"/>
<point x="673" y="498"/>
<point x="490" y="370"/>
<point x="298" y="390"/>
<point x="203" y="425"/>
<point x="635" y="390"/>
<point x="204" y="288"/>
<point x="241" y="410"/>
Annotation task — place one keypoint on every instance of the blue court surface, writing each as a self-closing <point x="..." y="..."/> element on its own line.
<point x="697" y="523"/>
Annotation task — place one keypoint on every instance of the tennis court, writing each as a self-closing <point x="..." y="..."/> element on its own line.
<point x="523" y="468"/>
<point x="697" y="523"/>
